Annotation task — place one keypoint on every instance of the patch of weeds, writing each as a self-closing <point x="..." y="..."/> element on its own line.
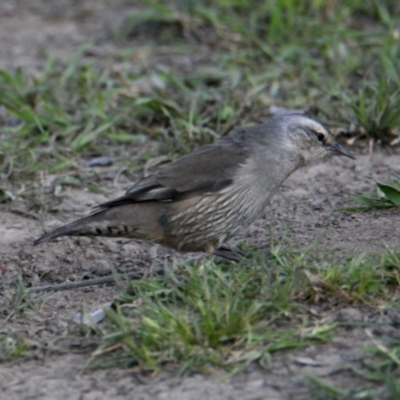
<point x="58" y="113"/>
<point x="377" y="108"/>
<point x="206" y="315"/>
<point x="388" y="196"/>
<point x="228" y="316"/>
<point x="71" y="108"/>
<point x="17" y="302"/>
<point x="74" y="108"/>
<point x="322" y="390"/>
<point x="383" y="367"/>
<point x="319" y="53"/>
<point x="12" y="347"/>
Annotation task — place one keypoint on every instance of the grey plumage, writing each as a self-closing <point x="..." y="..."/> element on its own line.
<point x="201" y="200"/>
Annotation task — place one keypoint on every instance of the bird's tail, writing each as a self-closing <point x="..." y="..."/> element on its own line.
<point x="96" y="224"/>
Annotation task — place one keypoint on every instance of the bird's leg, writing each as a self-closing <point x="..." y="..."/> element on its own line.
<point x="231" y="255"/>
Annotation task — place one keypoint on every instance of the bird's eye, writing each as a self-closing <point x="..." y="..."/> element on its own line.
<point x="320" y="137"/>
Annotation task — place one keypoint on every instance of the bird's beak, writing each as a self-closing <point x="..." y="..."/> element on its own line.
<point x="341" y="150"/>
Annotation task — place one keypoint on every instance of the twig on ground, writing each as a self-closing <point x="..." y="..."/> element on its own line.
<point x="23" y="213"/>
<point x="88" y="282"/>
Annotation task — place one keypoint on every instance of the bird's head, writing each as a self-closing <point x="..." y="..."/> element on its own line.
<point x="309" y="138"/>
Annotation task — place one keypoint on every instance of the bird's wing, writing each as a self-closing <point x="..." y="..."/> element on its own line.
<point x="206" y="170"/>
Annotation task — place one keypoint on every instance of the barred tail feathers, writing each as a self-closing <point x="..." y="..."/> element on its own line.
<point x="93" y="225"/>
<point x="139" y="221"/>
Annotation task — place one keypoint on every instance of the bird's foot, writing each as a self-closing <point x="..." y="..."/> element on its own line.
<point x="234" y="255"/>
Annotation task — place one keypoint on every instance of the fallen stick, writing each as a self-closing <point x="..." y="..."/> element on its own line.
<point x="87" y="282"/>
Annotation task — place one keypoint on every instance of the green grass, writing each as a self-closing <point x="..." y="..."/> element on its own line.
<point x="17" y="301"/>
<point x="342" y="58"/>
<point x="197" y="317"/>
<point x="383" y="368"/>
<point x="338" y="60"/>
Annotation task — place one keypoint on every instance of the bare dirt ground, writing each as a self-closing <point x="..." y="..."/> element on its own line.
<point x="28" y="32"/>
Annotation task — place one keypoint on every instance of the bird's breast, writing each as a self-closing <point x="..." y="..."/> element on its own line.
<point x="194" y="223"/>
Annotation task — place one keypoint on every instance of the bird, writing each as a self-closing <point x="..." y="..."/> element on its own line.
<point x="202" y="199"/>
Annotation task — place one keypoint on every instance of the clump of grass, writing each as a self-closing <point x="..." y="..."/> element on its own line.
<point x="17" y="302"/>
<point x="377" y="108"/>
<point x="228" y="316"/>
<point x="199" y="317"/>
<point x="56" y="115"/>
<point x="383" y="367"/>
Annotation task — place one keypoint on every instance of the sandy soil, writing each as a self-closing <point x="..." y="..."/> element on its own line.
<point x="29" y="31"/>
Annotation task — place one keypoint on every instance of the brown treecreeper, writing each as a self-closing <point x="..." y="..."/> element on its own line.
<point x="199" y="201"/>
